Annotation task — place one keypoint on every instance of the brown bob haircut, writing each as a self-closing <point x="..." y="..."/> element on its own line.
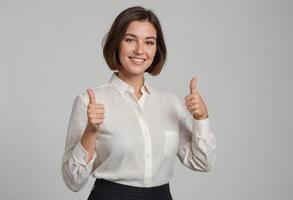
<point x="113" y="38"/>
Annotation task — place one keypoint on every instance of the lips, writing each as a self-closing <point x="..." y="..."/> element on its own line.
<point x="137" y="60"/>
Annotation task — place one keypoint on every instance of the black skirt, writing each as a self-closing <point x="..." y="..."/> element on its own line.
<point x="108" y="190"/>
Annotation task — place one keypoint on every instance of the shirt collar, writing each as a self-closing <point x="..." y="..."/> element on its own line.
<point x="122" y="86"/>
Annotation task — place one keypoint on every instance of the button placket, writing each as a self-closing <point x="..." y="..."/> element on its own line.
<point x="148" y="150"/>
<point x="146" y="137"/>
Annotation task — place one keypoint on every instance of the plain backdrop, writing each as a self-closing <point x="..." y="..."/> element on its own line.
<point x="240" y="50"/>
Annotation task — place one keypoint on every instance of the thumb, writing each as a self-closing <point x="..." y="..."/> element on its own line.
<point x="193" y="85"/>
<point x="92" y="98"/>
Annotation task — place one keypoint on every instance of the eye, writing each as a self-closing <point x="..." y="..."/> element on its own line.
<point x="150" y="43"/>
<point x="129" y="40"/>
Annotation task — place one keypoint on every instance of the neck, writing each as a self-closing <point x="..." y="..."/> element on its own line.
<point x="136" y="81"/>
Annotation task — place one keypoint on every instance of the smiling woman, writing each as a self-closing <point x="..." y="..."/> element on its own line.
<point x="141" y="29"/>
<point x="127" y="134"/>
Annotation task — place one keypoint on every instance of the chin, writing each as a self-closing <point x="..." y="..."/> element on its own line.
<point x="136" y="72"/>
<point x="135" y="69"/>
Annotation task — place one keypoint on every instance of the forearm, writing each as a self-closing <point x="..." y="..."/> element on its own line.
<point x="199" y="152"/>
<point x="203" y="144"/>
<point x="88" y="141"/>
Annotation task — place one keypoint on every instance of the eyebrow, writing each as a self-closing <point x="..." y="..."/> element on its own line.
<point x="132" y="35"/>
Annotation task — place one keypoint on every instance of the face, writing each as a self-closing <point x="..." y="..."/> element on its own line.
<point x="138" y="48"/>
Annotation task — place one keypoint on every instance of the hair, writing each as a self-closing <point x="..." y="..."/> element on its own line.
<point x="113" y="38"/>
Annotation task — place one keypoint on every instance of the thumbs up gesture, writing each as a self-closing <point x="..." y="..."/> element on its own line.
<point x="95" y="111"/>
<point x="195" y="104"/>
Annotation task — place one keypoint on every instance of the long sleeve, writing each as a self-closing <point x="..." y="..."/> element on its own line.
<point x="139" y="141"/>
<point x="75" y="169"/>
<point x="197" y="143"/>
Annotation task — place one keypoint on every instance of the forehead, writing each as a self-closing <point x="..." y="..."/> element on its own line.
<point x="141" y="29"/>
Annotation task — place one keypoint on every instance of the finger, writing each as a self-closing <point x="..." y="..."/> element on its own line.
<point x="96" y="122"/>
<point x="96" y="106"/>
<point x="96" y="116"/>
<point x="193" y="107"/>
<point x="189" y="97"/>
<point x="194" y="110"/>
<point x="196" y="99"/>
<point x="192" y="101"/>
<point x="91" y="111"/>
<point x="193" y="85"/>
<point x="189" y="103"/>
<point x="99" y="111"/>
<point x="92" y="98"/>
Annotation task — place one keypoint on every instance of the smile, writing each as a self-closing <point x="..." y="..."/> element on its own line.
<point x="136" y="60"/>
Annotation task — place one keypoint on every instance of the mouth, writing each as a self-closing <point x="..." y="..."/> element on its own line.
<point x="137" y="60"/>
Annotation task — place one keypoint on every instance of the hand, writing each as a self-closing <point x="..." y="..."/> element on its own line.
<point x="195" y="104"/>
<point x="95" y="112"/>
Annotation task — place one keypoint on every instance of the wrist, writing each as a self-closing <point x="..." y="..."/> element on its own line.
<point x="91" y="128"/>
<point x="200" y="117"/>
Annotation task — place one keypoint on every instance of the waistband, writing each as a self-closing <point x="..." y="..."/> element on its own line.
<point x="130" y="190"/>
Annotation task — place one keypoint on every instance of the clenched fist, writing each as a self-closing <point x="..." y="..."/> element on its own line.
<point x="95" y="111"/>
<point x="195" y="104"/>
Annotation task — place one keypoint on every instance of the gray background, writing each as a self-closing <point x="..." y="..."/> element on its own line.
<point x="240" y="50"/>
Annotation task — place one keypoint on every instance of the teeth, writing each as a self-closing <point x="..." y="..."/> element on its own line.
<point x="138" y="60"/>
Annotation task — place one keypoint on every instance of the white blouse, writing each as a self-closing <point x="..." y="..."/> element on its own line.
<point x="138" y="141"/>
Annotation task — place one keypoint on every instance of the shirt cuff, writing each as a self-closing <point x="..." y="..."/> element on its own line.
<point x="80" y="155"/>
<point x="201" y="128"/>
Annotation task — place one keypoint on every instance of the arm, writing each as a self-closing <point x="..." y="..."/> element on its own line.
<point x="76" y="166"/>
<point x="197" y="150"/>
<point x="197" y="143"/>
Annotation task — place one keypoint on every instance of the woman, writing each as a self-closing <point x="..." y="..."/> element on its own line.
<point x="127" y="134"/>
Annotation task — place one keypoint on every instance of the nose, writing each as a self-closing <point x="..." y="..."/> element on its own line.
<point x="139" y="48"/>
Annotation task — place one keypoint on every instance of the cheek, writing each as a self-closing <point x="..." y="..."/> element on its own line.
<point x="124" y="49"/>
<point x="152" y="53"/>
